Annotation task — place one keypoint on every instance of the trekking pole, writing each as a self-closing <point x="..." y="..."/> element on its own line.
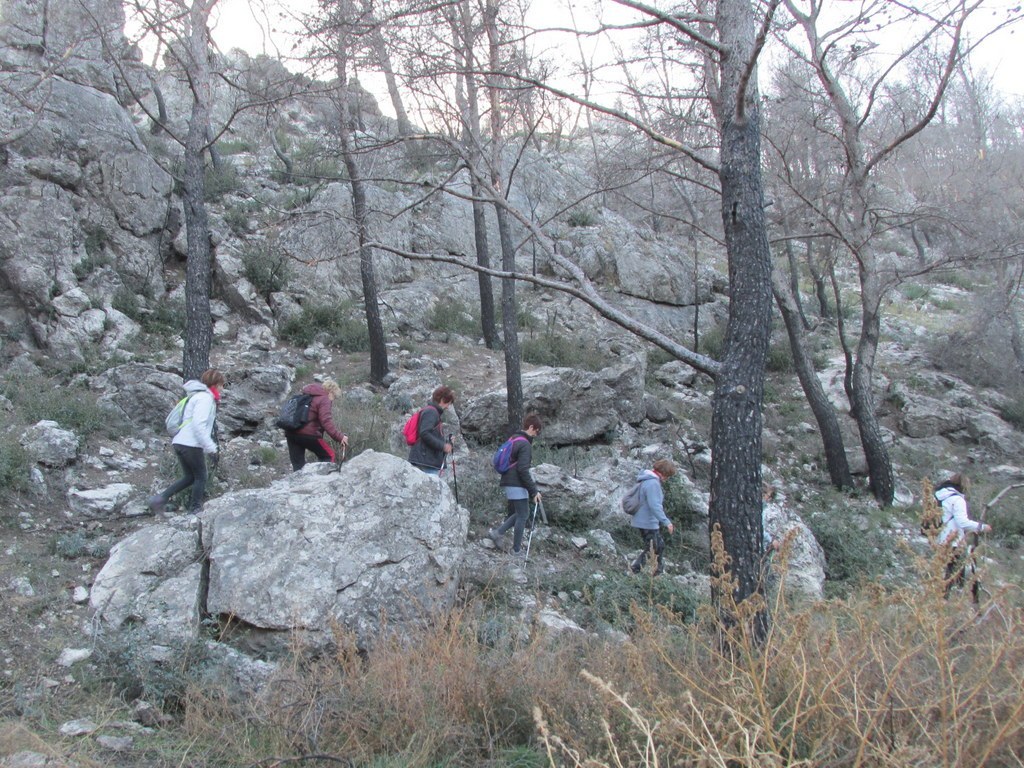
<point x="543" y="514"/>
<point x="455" y="475"/>
<point x="533" y="524"/>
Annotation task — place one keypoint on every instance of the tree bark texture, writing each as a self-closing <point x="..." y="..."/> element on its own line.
<point x="198" y="267"/>
<point x="736" y="423"/>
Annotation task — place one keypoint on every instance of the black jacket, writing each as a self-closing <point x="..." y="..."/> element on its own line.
<point x="428" y="450"/>
<point x="518" y="475"/>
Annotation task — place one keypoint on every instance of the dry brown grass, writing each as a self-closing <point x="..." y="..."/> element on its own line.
<point x="902" y="678"/>
<point x="887" y="678"/>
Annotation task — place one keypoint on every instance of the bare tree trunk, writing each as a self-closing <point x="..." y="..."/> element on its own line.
<point x="735" y="510"/>
<point x="820" y="286"/>
<point x="863" y="401"/>
<point x="198" y="267"/>
<point x="794" y="284"/>
<point x="510" y="325"/>
<point x="509" y="311"/>
<point x="824" y="414"/>
<point x="380" y="51"/>
<point x="289" y="166"/>
<point x="461" y="21"/>
<point x="360" y="212"/>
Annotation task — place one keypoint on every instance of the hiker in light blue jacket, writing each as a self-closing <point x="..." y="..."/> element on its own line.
<point x="651" y="515"/>
<point x="194" y="440"/>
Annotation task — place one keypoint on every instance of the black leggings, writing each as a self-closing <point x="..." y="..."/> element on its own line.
<point x="299" y="444"/>
<point x="518" y="511"/>
<point x="193" y="465"/>
<point x="652" y="540"/>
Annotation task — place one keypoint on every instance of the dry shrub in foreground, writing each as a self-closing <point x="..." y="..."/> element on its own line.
<point x="441" y="697"/>
<point x="885" y="679"/>
<point x="900" y="678"/>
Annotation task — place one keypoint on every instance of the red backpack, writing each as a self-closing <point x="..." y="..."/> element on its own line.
<point x="411" y="430"/>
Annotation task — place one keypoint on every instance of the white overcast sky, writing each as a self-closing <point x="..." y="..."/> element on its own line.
<point x="256" y="27"/>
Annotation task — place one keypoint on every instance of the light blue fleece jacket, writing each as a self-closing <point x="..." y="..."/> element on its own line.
<point x="651" y="514"/>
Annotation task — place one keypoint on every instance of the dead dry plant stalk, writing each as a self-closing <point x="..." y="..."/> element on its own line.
<point x="887" y="678"/>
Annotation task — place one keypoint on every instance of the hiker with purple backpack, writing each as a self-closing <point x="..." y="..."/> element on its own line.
<point x="520" y="488"/>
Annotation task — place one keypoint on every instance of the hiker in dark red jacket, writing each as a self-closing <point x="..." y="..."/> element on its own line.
<point x="310" y="436"/>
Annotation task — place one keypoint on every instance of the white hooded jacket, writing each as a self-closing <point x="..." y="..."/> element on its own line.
<point x="197" y="423"/>
<point x="955" y="522"/>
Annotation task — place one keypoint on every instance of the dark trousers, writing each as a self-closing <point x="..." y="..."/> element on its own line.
<point x="652" y="541"/>
<point x="519" y="510"/>
<point x="193" y="467"/>
<point x="956" y="572"/>
<point x="299" y="444"/>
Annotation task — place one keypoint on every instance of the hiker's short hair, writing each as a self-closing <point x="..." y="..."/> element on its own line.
<point x="665" y="467"/>
<point x="443" y="394"/>
<point x="212" y="378"/>
<point x="331" y="387"/>
<point x="533" y="420"/>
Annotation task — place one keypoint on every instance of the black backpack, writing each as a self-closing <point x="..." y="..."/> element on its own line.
<point x="295" y="412"/>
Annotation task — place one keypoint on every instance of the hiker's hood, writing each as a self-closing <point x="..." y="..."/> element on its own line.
<point x="192" y="386"/>
<point x="646" y="474"/>
<point x="944" y="493"/>
<point x="315" y="389"/>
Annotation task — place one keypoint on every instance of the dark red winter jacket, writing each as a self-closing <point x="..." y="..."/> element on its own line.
<point x="320" y="419"/>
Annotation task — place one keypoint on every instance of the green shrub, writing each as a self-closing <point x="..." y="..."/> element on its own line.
<point x="1012" y="410"/>
<point x="613" y="600"/>
<point x="582" y="217"/>
<point x="780" y="358"/>
<point x="333" y="325"/>
<point x="450" y="315"/>
<point x="14" y="466"/>
<point x="233" y="146"/>
<point x="76" y="544"/>
<point x="266" y="267"/>
<point x="221" y="181"/>
<point x="72" y="407"/>
<point x="852" y="555"/>
<point x="712" y="342"/>
<point x="915" y="292"/>
<point x="562" y="352"/>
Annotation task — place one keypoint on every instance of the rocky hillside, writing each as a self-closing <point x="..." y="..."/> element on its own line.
<point x="91" y="313"/>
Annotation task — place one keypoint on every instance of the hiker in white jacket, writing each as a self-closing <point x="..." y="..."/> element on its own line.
<point x="956" y="523"/>
<point x="194" y="440"/>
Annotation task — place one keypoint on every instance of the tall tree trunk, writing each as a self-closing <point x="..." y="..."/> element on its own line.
<point x="794" y="284"/>
<point x="821" y="287"/>
<point x="510" y="325"/>
<point x="380" y="50"/>
<point x="468" y="100"/>
<point x="483" y="258"/>
<point x="198" y="267"/>
<point x="360" y="212"/>
<point x="736" y="495"/>
<point x="509" y="311"/>
<point x="876" y="454"/>
<point x="824" y="413"/>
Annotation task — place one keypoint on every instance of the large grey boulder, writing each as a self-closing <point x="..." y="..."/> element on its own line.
<point x="140" y="393"/>
<point x="804" y="574"/>
<point x="48" y="444"/>
<point x="376" y="545"/>
<point x="151" y="581"/>
<point x="576" y="406"/>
